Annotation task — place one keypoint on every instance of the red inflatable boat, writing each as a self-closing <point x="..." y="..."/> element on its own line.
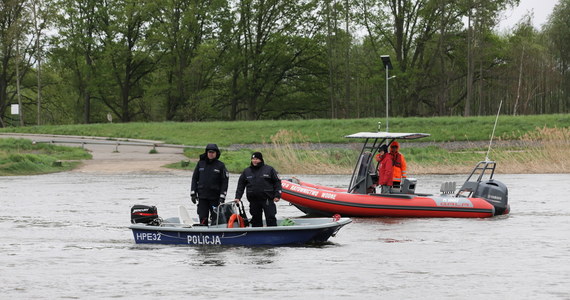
<point x="480" y="196"/>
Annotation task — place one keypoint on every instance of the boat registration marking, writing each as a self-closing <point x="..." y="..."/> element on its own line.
<point x="204" y="240"/>
<point x="144" y="236"/>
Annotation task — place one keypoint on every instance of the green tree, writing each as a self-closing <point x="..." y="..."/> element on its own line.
<point x="42" y="14"/>
<point x="426" y="39"/>
<point x="557" y="30"/>
<point x="187" y="32"/>
<point x="411" y="32"/>
<point x="77" y="48"/>
<point x="14" y="25"/>
<point x="127" y="58"/>
<point x="270" y="47"/>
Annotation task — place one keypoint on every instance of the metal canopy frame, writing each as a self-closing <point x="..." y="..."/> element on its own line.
<point x="373" y="141"/>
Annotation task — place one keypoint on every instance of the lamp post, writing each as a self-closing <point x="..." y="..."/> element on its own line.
<point x="387" y="66"/>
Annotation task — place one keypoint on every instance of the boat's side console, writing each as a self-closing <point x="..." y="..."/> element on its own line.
<point x="408" y="186"/>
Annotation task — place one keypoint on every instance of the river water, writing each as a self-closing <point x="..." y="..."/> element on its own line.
<point x="65" y="236"/>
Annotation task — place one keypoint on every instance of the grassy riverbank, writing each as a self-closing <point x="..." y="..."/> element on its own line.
<point x="542" y="142"/>
<point x="21" y="157"/>
<point x="442" y="129"/>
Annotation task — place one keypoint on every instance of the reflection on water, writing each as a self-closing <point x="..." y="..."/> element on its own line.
<point x="69" y="230"/>
<point x="221" y="256"/>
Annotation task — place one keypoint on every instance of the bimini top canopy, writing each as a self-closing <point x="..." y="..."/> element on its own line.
<point x="387" y="135"/>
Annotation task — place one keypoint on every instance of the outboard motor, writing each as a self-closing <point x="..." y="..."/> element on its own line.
<point x="496" y="193"/>
<point x="145" y="214"/>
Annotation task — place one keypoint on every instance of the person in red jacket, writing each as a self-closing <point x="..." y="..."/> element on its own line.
<point x="399" y="164"/>
<point x="385" y="169"/>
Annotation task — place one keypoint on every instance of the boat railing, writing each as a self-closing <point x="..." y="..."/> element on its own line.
<point x="483" y="168"/>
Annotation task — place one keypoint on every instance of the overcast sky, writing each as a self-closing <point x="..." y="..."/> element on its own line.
<point x="541" y="8"/>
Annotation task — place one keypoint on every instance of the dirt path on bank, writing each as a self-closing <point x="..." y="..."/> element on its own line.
<point x="115" y="156"/>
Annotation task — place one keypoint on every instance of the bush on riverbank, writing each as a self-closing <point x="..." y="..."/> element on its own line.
<point x="545" y="150"/>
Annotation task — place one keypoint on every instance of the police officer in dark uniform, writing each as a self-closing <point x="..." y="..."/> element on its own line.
<point x="209" y="183"/>
<point x="263" y="190"/>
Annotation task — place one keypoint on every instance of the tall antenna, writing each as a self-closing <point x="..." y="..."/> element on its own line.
<point x="493" y="134"/>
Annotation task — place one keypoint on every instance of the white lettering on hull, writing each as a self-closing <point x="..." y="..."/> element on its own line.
<point x="143" y="236"/>
<point x="328" y="195"/>
<point x="204" y="240"/>
<point x="310" y="192"/>
<point x="453" y="202"/>
<point x="304" y="191"/>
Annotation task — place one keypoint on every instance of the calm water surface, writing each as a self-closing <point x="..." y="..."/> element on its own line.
<point x="65" y="236"/>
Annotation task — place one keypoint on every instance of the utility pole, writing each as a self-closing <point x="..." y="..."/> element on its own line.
<point x="387" y="66"/>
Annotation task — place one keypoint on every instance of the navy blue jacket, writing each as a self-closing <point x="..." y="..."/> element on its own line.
<point x="210" y="177"/>
<point x="262" y="182"/>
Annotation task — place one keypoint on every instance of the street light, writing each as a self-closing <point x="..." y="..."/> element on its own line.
<point x="388" y="66"/>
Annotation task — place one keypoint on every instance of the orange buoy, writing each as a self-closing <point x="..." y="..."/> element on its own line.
<point x="233" y="218"/>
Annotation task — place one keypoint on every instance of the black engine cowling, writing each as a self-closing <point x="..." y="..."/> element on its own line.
<point x="144" y="214"/>
<point x="496" y="193"/>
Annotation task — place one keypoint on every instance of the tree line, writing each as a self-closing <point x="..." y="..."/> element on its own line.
<point x="89" y="61"/>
